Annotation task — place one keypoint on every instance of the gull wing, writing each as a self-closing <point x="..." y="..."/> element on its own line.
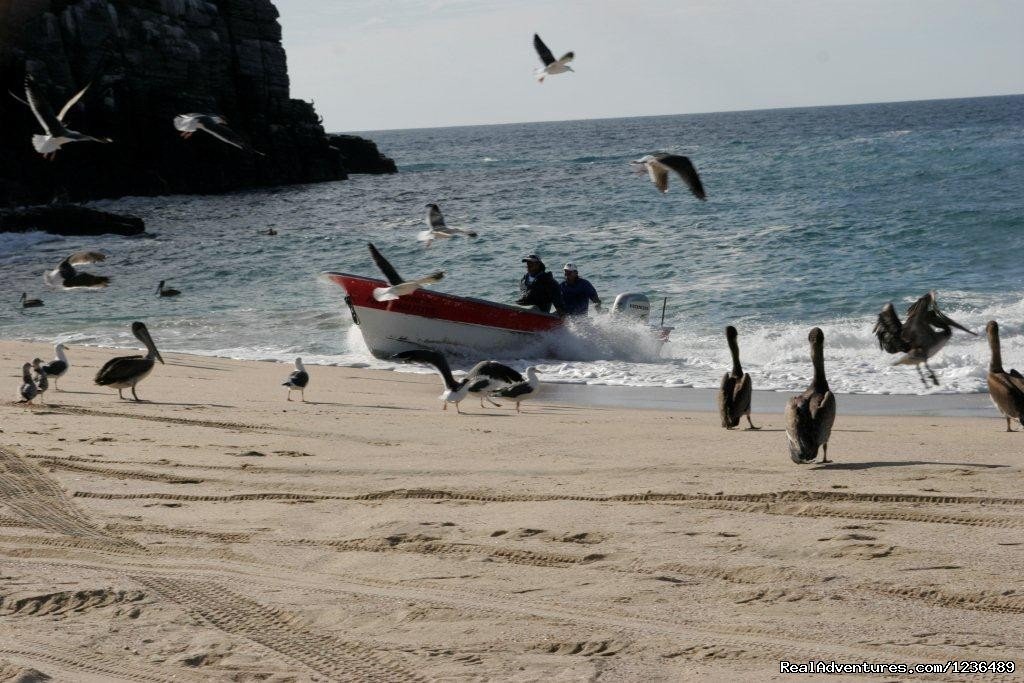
<point x="496" y="370"/>
<point x="42" y="109"/>
<point x="80" y="257"/>
<point x="70" y="103"/>
<point x="435" y="219"/>
<point x="685" y="169"/>
<point x="385" y="266"/>
<point x="566" y="58"/>
<point x="542" y="50"/>
<point x="436" y="276"/>
<point x="658" y="174"/>
<point x="430" y="357"/>
<point x="222" y="132"/>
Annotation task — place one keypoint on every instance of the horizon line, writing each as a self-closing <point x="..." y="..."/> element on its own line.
<point x="651" y="116"/>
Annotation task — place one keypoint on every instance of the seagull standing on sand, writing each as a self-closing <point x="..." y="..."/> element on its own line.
<point x="658" y="166"/>
<point x="1006" y="389"/>
<point x="40" y="378"/>
<point x="30" y="303"/>
<point x="455" y="391"/>
<point x="58" y="367"/>
<point x="57" y="134"/>
<point x="488" y="376"/>
<point x="520" y="391"/>
<point x="65" y="275"/>
<point x="437" y="229"/>
<point x="127" y="371"/>
<point x="551" y="66"/>
<point x="297" y="380"/>
<point x="28" y="388"/>
<point x="166" y="291"/>
<point x="215" y="125"/>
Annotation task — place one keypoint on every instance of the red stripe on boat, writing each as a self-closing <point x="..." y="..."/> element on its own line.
<point x="428" y="304"/>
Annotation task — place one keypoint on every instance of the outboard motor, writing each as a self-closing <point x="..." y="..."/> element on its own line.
<point x="634" y="306"/>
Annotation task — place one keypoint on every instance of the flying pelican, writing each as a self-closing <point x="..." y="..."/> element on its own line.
<point x="658" y="166"/>
<point x="916" y="338"/>
<point x="30" y="303"/>
<point x="215" y="125"/>
<point x="166" y="291"/>
<point x="299" y="379"/>
<point x="57" y="134"/>
<point x="437" y="229"/>
<point x="28" y="387"/>
<point x="488" y="376"/>
<point x="40" y="378"/>
<point x="127" y="371"/>
<point x="395" y="291"/>
<point x="1006" y="389"/>
<point x="551" y="66"/>
<point x="734" y="396"/>
<point x="65" y="275"/>
<point x="58" y="367"/>
<point x="520" y="391"/>
<point x="810" y="415"/>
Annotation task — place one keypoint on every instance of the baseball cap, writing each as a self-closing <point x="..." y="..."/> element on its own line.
<point x="570" y="266"/>
<point x="532" y="258"/>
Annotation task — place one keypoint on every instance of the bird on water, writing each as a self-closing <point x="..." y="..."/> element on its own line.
<point x="166" y="291"/>
<point x="67" y="276"/>
<point x="30" y="303"/>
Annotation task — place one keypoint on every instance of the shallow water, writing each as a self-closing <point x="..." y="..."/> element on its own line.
<point x="814" y="217"/>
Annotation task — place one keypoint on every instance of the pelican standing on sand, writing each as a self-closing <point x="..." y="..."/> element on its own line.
<point x="916" y="338"/>
<point x="1006" y="389"/>
<point x="809" y="416"/>
<point x="658" y="166"/>
<point x="298" y="380"/>
<point x="57" y="134"/>
<point x="215" y="125"/>
<point x="30" y="303"/>
<point x="437" y="229"/>
<point x="58" y="367"/>
<point x="551" y="66"/>
<point x="65" y="275"/>
<point x="520" y="391"/>
<point x="166" y="291"/>
<point x="28" y="387"/>
<point x="737" y="388"/>
<point x="127" y="371"/>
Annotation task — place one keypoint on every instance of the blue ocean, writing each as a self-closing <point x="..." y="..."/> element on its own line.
<point x="815" y="216"/>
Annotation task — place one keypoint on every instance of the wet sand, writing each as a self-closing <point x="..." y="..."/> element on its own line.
<point x="222" y="533"/>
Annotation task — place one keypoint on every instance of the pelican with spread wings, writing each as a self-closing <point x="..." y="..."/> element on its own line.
<point x="67" y="276"/>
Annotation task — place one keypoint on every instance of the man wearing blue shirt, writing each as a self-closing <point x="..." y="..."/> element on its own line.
<point x="577" y="293"/>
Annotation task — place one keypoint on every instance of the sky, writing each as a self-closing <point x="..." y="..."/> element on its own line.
<point x="385" y="64"/>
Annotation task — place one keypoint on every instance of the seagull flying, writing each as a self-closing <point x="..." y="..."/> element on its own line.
<point x="551" y="66"/>
<point x="65" y="275"/>
<point x="213" y="124"/>
<point x="437" y="229"/>
<point x="395" y="291"/>
<point x="57" y="134"/>
<point x="658" y="166"/>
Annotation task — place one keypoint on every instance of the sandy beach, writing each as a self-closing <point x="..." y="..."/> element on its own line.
<point x="222" y="533"/>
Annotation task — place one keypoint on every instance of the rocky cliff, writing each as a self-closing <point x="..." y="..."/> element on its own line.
<point x="149" y="60"/>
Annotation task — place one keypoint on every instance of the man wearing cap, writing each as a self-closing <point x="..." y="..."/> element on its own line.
<point x="577" y="293"/>
<point x="538" y="287"/>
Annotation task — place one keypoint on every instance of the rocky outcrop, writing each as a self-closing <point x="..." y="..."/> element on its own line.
<point x="360" y="155"/>
<point x="69" y="219"/>
<point x="149" y="60"/>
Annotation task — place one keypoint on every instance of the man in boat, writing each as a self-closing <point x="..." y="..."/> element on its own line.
<point x="577" y="292"/>
<point x="538" y="287"/>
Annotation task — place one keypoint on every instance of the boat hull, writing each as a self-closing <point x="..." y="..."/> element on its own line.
<point x="426" y="319"/>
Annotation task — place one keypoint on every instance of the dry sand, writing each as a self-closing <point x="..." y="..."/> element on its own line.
<point x="221" y="533"/>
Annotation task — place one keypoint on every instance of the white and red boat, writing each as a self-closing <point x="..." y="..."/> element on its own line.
<point x="464" y="325"/>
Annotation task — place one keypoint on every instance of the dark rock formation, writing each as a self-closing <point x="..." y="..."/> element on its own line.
<point x="149" y="60"/>
<point x="361" y="155"/>
<point x="68" y="219"/>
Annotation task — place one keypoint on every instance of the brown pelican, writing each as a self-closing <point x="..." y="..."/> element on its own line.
<point x="30" y="303"/>
<point x="658" y="166"/>
<point x="520" y="391"/>
<point x="127" y="371"/>
<point x="166" y="291"/>
<point x="551" y="66"/>
<point x="299" y="379"/>
<point x="734" y="396"/>
<point x="65" y="275"/>
<point x="58" y="367"/>
<point x="42" y="383"/>
<point x="437" y="229"/>
<point x="215" y="125"/>
<point x="57" y="134"/>
<point x="916" y="338"/>
<point x="28" y="387"/>
<point x="810" y="415"/>
<point x="1005" y="388"/>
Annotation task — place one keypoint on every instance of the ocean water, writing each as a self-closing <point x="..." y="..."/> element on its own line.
<point x="815" y="216"/>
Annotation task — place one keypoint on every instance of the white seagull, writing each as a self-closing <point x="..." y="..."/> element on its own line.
<point x="395" y="291"/>
<point x="215" y="125"/>
<point x="299" y="379"/>
<point x="488" y="376"/>
<point x="437" y="229"/>
<point x="58" y="367"/>
<point x="65" y="275"/>
<point x="520" y="391"/>
<point x="551" y="66"/>
<point x="658" y="166"/>
<point x="57" y="134"/>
